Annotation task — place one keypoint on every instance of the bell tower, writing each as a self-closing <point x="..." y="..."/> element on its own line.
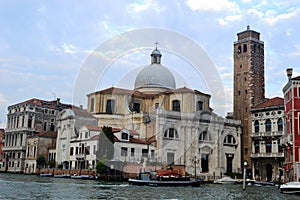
<point x="249" y="83"/>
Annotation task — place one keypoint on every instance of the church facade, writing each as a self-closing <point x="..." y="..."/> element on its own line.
<point x="178" y="122"/>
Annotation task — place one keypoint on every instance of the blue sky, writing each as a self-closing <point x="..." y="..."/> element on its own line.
<point x="43" y="44"/>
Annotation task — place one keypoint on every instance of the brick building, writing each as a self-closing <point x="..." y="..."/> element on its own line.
<point x="249" y="84"/>
<point x="291" y="93"/>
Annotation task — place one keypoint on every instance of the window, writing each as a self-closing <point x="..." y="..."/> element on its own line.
<point x="124" y="136"/>
<point x="239" y="49"/>
<point x="92" y="104"/>
<point x="71" y="151"/>
<point x="268" y="146"/>
<point x="124" y="151"/>
<point x="204" y="136"/>
<point x="144" y="153"/>
<point x="132" y="152"/>
<point x="87" y="150"/>
<point x="110" y="105"/>
<point x="171" y="133"/>
<point x="245" y="48"/>
<point x="256" y="146"/>
<point x="176" y="105"/>
<point x="52" y="127"/>
<point x="152" y="154"/>
<point x="256" y="126"/>
<point x="29" y="123"/>
<point x="45" y="126"/>
<point x="298" y="91"/>
<point x="136" y="107"/>
<point x="199" y="105"/>
<point x="229" y="139"/>
<point x="268" y="125"/>
<point x="241" y="66"/>
<point x="279" y="124"/>
<point x="254" y="48"/>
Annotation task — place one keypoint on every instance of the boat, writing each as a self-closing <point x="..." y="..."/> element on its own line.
<point x="86" y="177"/>
<point x="172" y="181"/>
<point x="226" y="180"/>
<point x="62" y="176"/>
<point x="46" y="175"/>
<point x="290" y="188"/>
<point x="259" y="183"/>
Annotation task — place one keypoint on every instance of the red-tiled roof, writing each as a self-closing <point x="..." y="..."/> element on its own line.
<point x="95" y="137"/>
<point x="93" y="128"/>
<point x="276" y="101"/>
<point x="297" y="78"/>
<point x="115" y="90"/>
<point x="51" y="134"/>
<point x="40" y="102"/>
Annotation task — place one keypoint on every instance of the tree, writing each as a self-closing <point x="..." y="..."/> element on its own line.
<point x="101" y="167"/>
<point x="41" y="160"/>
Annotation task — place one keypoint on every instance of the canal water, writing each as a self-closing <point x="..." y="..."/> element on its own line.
<point x="19" y="186"/>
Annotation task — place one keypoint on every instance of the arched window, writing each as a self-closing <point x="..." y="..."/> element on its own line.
<point x="229" y="139"/>
<point x="171" y="133"/>
<point x="136" y="107"/>
<point x="256" y="146"/>
<point x="239" y="49"/>
<point x="256" y="126"/>
<point x="245" y="48"/>
<point x="110" y="106"/>
<point x="269" y="146"/>
<point x="176" y="105"/>
<point x="268" y="125"/>
<point x="29" y="122"/>
<point x="204" y="136"/>
<point x="279" y="124"/>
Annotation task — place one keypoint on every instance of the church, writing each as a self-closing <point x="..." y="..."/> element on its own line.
<point x="178" y="122"/>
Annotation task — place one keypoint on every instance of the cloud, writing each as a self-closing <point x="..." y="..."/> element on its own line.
<point x="296" y="53"/>
<point x="271" y="18"/>
<point x="229" y="19"/>
<point x="68" y="49"/>
<point x="216" y="5"/>
<point x="145" y="5"/>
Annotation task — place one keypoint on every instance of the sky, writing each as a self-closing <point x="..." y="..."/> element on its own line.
<point x="44" y="45"/>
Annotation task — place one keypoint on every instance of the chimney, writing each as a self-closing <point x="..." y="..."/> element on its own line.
<point x="81" y="107"/>
<point x="289" y="73"/>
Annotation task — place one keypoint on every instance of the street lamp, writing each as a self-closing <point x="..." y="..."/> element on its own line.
<point x="244" y="176"/>
<point x="195" y="161"/>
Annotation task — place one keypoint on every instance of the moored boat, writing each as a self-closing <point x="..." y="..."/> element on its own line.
<point x="290" y="188"/>
<point x="62" y="176"/>
<point x="226" y="180"/>
<point x="172" y="181"/>
<point x="46" y="175"/>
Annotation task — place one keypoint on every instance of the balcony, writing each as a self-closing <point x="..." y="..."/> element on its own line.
<point x="14" y="148"/>
<point x="80" y="156"/>
<point x="267" y="155"/>
<point x="267" y="134"/>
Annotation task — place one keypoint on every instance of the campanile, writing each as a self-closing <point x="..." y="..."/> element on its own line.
<point x="249" y="83"/>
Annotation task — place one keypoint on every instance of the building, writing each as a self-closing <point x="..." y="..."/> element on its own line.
<point x="2" y="139"/>
<point x="267" y="137"/>
<point x="249" y="85"/>
<point x="27" y="119"/>
<point x="37" y="150"/>
<point x="180" y="120"/>
<point x="83" y="149"/>
<point x="69" y="122"/>
<point x="291" y="93"/>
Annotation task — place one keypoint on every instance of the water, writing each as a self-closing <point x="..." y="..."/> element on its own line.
<point x="18" y="186"/>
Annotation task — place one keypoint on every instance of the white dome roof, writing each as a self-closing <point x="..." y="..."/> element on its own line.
<point x="155" y="76"/>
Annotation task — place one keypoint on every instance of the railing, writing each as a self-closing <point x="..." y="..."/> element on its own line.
<point x="267" y="134"/>
<point x="80" y="156"/>
<point x="267" y="155"/>
<point x="14" y="148"/>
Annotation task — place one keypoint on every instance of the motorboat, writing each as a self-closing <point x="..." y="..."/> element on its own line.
<point x="290" y="188"/>
<point x="46" y="175"/>
<point x="172" y="181"/>
<point x="89" y="177"/>
<point x="226" y="180"/>
<point x="62" y="176"/>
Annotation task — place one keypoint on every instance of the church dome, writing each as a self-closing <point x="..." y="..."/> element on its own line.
<point x="154" y="76"/>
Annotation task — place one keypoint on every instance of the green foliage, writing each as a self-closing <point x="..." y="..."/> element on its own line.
<point x="41" y="160"/>
<point x="51" y="163"/>
<point x="109" y="134"/>
<point x="101" y="167"/>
